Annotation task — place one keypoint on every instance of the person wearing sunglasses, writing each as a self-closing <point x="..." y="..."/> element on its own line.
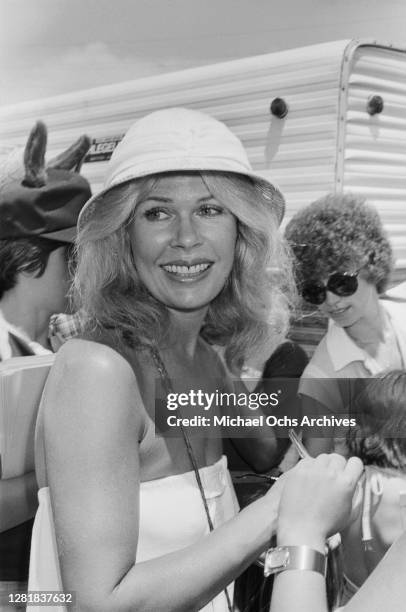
<point x="343" y="261"/>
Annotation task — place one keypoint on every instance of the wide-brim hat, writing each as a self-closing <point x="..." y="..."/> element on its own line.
<point x="179" y="140"/>
<point x="38" y="199"/>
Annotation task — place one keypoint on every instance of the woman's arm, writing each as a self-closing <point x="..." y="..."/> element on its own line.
<point x="18" y="500"/>
<point x="315" y="503"/>
<point x="93" y="423"/>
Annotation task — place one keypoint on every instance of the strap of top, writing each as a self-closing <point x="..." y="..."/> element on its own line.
<point x="160" y="366"/>
<point x="374" y="486"/>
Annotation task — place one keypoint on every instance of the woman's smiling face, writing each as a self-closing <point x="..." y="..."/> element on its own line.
<point x="183" y="242"/>
<point x="347" y="311"/>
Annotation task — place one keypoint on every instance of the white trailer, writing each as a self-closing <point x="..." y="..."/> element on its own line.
<point x="344" y="129"/>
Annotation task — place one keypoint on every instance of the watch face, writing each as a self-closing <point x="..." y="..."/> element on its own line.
<point x="276" y="560"/>
<point x="280" y="557"/>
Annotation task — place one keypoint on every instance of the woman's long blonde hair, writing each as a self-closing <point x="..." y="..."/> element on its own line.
<point x="251" y="310"/>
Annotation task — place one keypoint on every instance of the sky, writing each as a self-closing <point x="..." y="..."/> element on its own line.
<point x="50" y="47"/>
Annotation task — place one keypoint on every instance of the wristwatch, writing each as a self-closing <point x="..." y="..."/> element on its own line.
<point x="284" y="558"/>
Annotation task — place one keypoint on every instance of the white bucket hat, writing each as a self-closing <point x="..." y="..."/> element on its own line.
<point x="175" y="140"/>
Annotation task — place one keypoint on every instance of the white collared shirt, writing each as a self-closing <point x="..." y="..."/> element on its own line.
<point x="5" y="347"/>
<point x="398" y="292"/>
<point x="338" y="357"/>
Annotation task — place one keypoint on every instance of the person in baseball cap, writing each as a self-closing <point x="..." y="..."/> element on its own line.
<point x="39" y="207"/>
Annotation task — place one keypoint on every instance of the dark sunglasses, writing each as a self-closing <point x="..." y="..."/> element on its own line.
<point x="343" y="284"/>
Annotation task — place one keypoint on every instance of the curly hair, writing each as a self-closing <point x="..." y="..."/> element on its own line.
<point x="338" y="233"/>
<point x="253" y="306"/>
<point x="380" y="436"/>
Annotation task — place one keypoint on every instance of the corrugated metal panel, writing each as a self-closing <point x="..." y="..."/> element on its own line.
<point x="326" y="142"/>
<point x="297" y="152"/>
<point x="374" y="160"/>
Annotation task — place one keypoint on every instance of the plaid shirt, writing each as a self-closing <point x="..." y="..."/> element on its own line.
<point x="62" y="327"/>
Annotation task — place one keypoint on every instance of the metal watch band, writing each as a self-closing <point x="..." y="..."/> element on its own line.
<point x="284" y="558"/>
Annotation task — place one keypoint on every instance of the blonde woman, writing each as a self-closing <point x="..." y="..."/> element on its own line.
<point x="173" y="257"/>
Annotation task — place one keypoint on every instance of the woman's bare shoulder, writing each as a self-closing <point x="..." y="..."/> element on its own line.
<point x="89" y="377"/>
<point x="78" y="353"/>
<point x="92" y="415"/>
